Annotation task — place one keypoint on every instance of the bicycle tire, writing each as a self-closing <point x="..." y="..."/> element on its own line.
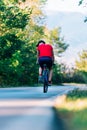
<point x="45" y="87"/>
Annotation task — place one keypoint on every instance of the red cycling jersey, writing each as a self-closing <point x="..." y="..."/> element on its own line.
<point x="45" y="50"/>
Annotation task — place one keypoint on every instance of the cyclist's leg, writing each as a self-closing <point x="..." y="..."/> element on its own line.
<point x="40" y="78"/>
<point x="50" y="74"/>
<point x="41" y="61"/>
<point x="40" y="71"/>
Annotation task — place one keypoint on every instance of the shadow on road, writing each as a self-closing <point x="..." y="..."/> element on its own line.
<point x="31" y="118"/>
<point x="58" y="123"/>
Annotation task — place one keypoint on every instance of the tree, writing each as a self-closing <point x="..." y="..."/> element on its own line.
<point x="13" y="20"/>
<point x="21" y="27"/>
<point x="53" y="37"/>
<point x="18" y="35"/>
<point x="82" y="65"/>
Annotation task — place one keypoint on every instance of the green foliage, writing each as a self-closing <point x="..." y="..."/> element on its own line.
<point x="59" y="45"/>
<point x="14" y="17"/>
<point x="77" y="77"/>
<point x="80" y="2"/>
<point x="19" y="34"/>
<point x="10" y="58"/>
<point x="81" y="64"/>
<point x="57" y="76"/>
<point x="73" y="75"/>
<point x="84" y="76"/>
<point x="77" y="93"/>
<point x="12" y="20"/>
<point x="2" y="6"/>
<point x="77" y="74"/>
<point x="9" y="44"/>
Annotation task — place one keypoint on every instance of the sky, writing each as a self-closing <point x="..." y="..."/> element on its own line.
<point x="60" y="8"/>
<point x="65" y="5"/>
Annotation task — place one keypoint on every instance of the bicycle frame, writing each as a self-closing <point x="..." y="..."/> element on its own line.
<point x="45" y="78"/>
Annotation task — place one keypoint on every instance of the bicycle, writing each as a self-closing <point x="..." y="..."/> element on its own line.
<point x="45" y="75"/>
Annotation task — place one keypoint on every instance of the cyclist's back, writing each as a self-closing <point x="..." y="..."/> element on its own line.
<point x="45" y="50"/>
<point x="45" y="55"/>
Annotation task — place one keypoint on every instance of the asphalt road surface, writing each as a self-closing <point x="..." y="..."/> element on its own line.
<point x="28" y="108"/>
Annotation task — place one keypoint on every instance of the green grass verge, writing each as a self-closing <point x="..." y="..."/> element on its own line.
<point x="73" y="110"/>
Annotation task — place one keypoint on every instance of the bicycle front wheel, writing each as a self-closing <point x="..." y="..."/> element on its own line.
<point x="45" y="88"/>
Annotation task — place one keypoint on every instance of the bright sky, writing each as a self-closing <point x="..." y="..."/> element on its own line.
<point x="65" y="5"/>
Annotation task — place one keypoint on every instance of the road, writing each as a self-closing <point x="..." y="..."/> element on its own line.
<point x="28" y="108"/>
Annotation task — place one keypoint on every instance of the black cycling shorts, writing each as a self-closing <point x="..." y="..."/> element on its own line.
<point x="45" y="60"/>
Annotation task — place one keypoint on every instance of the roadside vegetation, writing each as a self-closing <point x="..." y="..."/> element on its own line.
<point x="72" y="108"/>
<point x="22" y="25"/>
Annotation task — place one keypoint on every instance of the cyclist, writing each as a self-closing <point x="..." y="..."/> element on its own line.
<point x="45" y="55"/>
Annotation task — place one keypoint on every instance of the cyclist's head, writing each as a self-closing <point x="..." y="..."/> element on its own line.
<point x="40" y="42"/>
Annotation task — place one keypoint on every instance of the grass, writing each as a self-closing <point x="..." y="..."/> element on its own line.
<point x="72" y="108"/>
